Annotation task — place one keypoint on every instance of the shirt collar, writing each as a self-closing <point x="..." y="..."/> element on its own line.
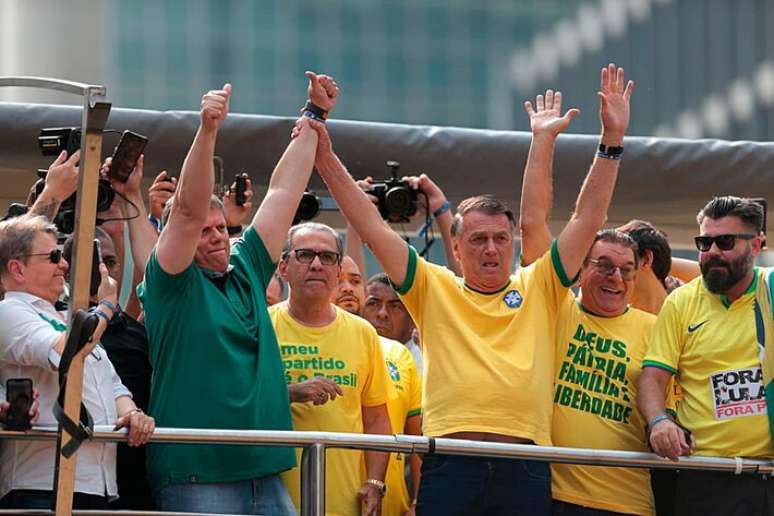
<point x="27" y="298"/>
<point x="751" y="289"/>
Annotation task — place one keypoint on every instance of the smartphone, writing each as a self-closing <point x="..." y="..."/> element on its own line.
<point x="18" y="393"/>
<point x="96" y="259"/>
<point x="241" y="188"/>
<point x="126" y="154"/>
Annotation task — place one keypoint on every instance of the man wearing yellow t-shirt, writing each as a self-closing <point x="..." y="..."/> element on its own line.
<point x="323" y="346"/>
<point x="488" y="352"/>
<point x="601" y="342"/>
<point x="405" y="408"/>
<point x="708" y="334"/>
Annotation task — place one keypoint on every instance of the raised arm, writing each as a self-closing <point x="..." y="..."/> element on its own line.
<point x="291" y="175"/>
<point x="191" y="202"/>
<point x="142" y="234"/>
<point x="388" y="247"/>
<point x="597" y="190"/>
<point x="61" y="183"/>
<point x="441" y="211"/>
<point x="546" y="122"/>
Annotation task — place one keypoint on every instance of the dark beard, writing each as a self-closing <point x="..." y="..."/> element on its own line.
<point x="719" y="280"/>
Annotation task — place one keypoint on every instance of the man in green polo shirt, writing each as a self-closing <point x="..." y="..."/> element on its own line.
<point x="215" y="356"/>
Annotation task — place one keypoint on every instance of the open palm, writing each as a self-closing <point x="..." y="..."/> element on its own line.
<point x="546" y="117"/>
<point x="614" y="97"/>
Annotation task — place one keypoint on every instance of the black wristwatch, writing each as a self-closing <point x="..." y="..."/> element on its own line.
<point x="609" y="152"/>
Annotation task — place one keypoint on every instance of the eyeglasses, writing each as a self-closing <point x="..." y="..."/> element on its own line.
<point x="724" y="242"/>
<point x="54" y="256"/>
<point x="307" y="256"/>
<point x="608" y="269"/>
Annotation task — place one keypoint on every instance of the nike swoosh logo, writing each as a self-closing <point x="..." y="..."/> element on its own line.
<point x="693" y="327"/>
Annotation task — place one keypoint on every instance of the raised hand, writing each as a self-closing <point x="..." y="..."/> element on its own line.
<point x="131" y="188"/>
<point x="62" y="176"/>
<point x="322" y="90"/>
<point x="546" y="118"/>
<point x="235" y="214"/>
<point x="614" y="104"/>
<point x="215" y="107"/>
<point x="162" y="189"/>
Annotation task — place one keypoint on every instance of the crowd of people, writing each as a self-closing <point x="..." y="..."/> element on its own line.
<point x="597" y="338"/>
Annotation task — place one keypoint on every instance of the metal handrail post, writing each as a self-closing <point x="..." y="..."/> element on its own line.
<point x="313" y="480"/>
<point x="95" y="115"/>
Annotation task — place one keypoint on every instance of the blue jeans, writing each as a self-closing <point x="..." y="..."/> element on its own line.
<point x="472" y="485"/>
<point x="39" y="499"/>
<point x="257" y="496"/>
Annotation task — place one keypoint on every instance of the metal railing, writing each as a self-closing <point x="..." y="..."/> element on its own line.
<point x="315" y="445"/>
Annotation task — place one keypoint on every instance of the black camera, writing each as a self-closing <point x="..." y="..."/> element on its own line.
<point x="65" y="218"/>
<point x="308" y="208"/>
<point x="53" y="140"/>
<point x="397" y="200"/>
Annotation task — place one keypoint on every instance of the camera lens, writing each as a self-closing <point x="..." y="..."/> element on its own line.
<point x="401" y="201"/>
<point x="308" y="207"/>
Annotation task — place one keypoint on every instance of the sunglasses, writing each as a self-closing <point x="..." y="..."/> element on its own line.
<point x="724" y="242"/>
<point x="54" y="256"/>
<point x="307" y="256"/>
<point x="608" y="269"/>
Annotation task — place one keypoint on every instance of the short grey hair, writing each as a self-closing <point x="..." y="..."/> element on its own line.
<point x="17" y="236"/>
<point x="315" y="227"/>
<point x="215" y="203"/>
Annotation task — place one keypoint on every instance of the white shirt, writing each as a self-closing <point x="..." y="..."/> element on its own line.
<point x="29" y="328"/>
<point x="416" y="352"/>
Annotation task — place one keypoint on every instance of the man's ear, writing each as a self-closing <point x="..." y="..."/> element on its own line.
<point x="282" y="268"/>
<point x="15" y="270"/>
<point x="456" y="248"/>
<point x="646" y="260"/>
<point x="758" y="244"/>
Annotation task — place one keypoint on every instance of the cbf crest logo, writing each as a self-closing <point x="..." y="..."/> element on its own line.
<point x="394" y="373"/>
<point x="513" y="299"/>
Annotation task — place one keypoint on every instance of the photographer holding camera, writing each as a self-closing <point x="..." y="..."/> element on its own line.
<point x="426" y="196"/>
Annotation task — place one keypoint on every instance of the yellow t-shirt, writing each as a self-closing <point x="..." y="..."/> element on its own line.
<point x="488" y="358"/>
<point x="712" y="348"/>
<point x="403" y="375"/>
<point x="348" y="352"/>
<point x="598" y="364"/>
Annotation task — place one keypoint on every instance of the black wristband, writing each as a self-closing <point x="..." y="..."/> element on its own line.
<point x="609" y="152"/>
<point x="234" y="230"/>
<point x="319" y="112"/>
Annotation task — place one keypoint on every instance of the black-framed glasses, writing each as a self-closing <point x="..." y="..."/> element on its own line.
<point x="725" y="242"/>
<point x="54" y="256"/>
<point x="307" y="256"/>
<point x="607" y="268"/>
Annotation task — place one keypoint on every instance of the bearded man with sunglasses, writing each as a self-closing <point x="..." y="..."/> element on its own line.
<point x="709" y="335"/>
<point x="335" y="370"/>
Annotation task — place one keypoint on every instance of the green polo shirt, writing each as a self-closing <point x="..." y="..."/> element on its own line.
<point x="216" y="364"/>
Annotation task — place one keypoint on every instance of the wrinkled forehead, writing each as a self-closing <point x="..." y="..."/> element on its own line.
<point x="380" y="291"/>
<point x="349" y="267"/>
<point x="314" y="239"/>
<point x="615" y="253"/>
<point x="478" y="222"/>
